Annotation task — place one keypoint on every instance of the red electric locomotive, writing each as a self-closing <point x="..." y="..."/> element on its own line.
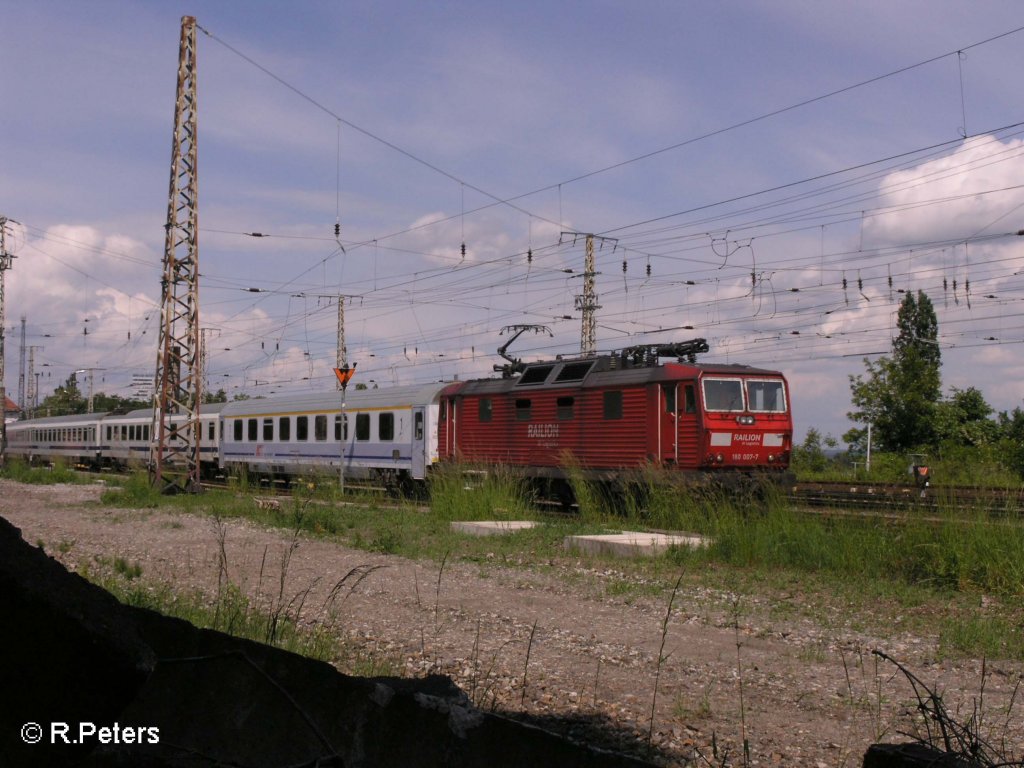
<point x="611" y="414"/>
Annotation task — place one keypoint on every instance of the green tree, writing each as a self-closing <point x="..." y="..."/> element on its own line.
<point x="899" y="393"/>
<point x="66" y="399"/>
<point x="963" y="419"/>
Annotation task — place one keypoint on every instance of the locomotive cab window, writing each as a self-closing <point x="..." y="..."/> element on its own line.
<point x="565" y="407"/>
<point x="723" y="394"/>
<point x="386" y="427"/>
<point x="524" y="409"/>
<point x="613" y="405"/>
<point x="766" y="396"/>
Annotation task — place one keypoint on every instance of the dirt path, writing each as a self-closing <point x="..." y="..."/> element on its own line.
<point x="811" y="694"/>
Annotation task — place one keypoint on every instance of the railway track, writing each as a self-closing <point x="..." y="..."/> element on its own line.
<point x="894" y="496"/>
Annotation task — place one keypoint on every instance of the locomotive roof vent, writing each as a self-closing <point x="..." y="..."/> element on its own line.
<point x="535" y="374"/>
<point x="574" y="371"/>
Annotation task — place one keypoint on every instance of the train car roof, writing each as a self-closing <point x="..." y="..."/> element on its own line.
<point x="597" y="372"/>
<point x="71" y="418"/>
<point x="355" y="399"/>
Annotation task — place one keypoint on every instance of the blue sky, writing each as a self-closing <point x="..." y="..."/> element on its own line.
<point x="664" y="125"/>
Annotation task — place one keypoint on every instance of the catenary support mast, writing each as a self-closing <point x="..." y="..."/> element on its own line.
<point x="178" y="388"/>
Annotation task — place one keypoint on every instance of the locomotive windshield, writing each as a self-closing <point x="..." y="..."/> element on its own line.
<point x="723" y="394"/>
<point x="766" y="396"/>
<point x="736" y="395"/>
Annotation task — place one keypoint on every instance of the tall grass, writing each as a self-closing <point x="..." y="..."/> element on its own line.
<point x="461" y="492"/>
<point x="952" y="551"/>
<point x="20" y="471"/>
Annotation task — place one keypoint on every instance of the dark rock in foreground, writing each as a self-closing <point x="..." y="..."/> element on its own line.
<point x="135" y="688"/>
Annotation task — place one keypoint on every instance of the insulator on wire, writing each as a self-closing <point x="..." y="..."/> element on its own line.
<point x="337" y="229"/>
<point x="463" y="250"/>
<point x="625" y="265"/>
<point x="648" y="269"/>
<point x="529" y="255"/>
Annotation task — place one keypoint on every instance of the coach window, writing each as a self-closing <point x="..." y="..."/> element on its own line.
<point x="131" y="432"/>
<point x="337" y="427"/>
<point x="320" y="427"/>
<point x="613" y="405"/>
<point x="252" y="432"/>
<point x="362" y="426"/>
<point x="386" y="427"/>
<point x="565" y="407"/>
<point x="524" y="409"/>
<point x="212" y="435"/>
<point x="108" y="433"/>
<point x="268" y="430"/>
<point x="486" y="409"/>
<point x="302" y="428"/>
<point x="284" y="429"/>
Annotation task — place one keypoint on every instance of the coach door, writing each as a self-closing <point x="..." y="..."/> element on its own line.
<point x="419" y="443"/>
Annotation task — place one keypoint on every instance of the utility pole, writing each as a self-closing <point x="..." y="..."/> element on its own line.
<point x="5" y="264"/>
<point x="92" y="387"/>
<point x="342" y="349"/>
<point x="21" y="369"/>
<point x="32" y="393"/>
<point x="177" y="395"/>
<point x="587" y="302"/>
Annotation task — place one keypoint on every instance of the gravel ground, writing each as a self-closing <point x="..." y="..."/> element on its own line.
<point x="803" y="692"/>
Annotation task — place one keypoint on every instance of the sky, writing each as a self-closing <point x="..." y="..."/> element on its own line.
<point x="772" y="176"/>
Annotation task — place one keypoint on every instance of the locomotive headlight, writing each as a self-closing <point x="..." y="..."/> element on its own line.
<point x="745" y="420"/>
<point x="719" y="458"/>
<point x="771" y="458"/>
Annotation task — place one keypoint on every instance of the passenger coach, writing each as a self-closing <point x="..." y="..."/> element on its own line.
<point x="390" y="434"/>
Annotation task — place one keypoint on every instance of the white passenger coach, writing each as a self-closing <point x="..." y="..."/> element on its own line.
<point x="390" y="434"/>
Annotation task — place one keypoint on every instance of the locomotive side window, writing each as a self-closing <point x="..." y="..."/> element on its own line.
<point x="320" y="427"/>
<point x="670" y="397"/>
<point x="284" y="429"/>
<point x="238" y="431"/>
<point x="386" y="426"/>
<point x="302" y="428"/>
<point x="268" y="430"/>
<point x="613" y="405"/>
<point x="362" y="426"/>
<point x="524" y="409"/>
<point x="689" y="399"/>
<point x="723" y="394"/>
<point x="486" y="409"/>
<point x="565" y="408"/>
<point x="766" y="396"/>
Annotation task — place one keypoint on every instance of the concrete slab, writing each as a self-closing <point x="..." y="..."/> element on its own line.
<point x="632" y="543"/>
<point x="492" y="527"/>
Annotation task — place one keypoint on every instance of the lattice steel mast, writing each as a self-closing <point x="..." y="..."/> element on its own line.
<point x="6" y="260"/>
<point x="178" y="387"/>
